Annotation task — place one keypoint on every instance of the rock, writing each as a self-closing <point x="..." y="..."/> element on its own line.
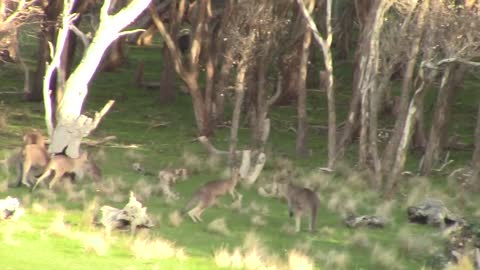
<point x="365" y="221"/>
<point x="9" y="207"/>
<point x="432" y="212"/>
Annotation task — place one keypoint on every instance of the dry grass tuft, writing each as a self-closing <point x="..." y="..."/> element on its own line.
<point x="193" y="162"/>
<point x="336" y="260"/>
<point x="145" y="248"/>
<point x="237" y="259"/>
<point x="385" y="257"/>
<point x="143" y="190"/>
<point x="134" y="155"/>
<point x="219" y="226"/>
<point x="318" y="180"/>
<point x="237" y="204"/>
<point x="72" y="194"/>
<point x="360" y="239"/>
<point x="222" y="257"/>
<point x="95" y="243"/>
<point x="213" y="162"/>
<point x="3" y="186"/>
<point x="90" y="209"/>
<point x="47" y="194"/>
<point x="258" y="220"/>
<point x="419" y="191"/>
<point x="385" y="210"/>
<point x="464" y="263"/>
<point x="37" y="208"/>
<point x="175" y="218"/>
<point x="59" y="227"/>
<point x="414" y="244"/>
<point x="298" y="260"/>
<point x="288" y="229"/>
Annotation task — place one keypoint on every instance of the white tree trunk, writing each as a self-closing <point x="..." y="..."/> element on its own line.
<point x="72" y="126"/>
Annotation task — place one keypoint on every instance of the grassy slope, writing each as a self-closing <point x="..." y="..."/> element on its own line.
<point x="32" y="245"/>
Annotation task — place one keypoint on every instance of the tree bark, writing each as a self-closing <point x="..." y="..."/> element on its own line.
<point x="72" y="126"/>
<point x="407" y="85"/>
<point x="167" y="78"/>
<point x="453" y="77"/>
<point x="47" y="35"/>
<point x="406" y="135"/>
<point x="302" y="129"/>
<point x="189" y="72"/>
<point x="239" y="95"/>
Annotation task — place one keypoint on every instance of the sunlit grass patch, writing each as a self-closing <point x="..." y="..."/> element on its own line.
<point x="298" y="260"/>
<point x="95" y="243"/>
<point x="59" y="227"/>
<point x="155" y="248"/>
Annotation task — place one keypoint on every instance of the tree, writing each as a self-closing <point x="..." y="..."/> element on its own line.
<point x="326" y="76"/>
<point x="71" y="125"/>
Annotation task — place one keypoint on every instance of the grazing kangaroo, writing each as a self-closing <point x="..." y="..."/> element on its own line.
<point x="61" y="165"/>
<point x="301" y="201"/>
<point x="207" y="195"/>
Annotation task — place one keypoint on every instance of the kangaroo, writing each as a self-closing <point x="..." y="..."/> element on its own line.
<point x="301" y="201"/>
<point x="34" y="137"/>
<point x="207" y="195"/>
<point x="33" y="155"/>
<point x="61" y="165"/>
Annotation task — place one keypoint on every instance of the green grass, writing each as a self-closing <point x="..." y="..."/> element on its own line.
<point x="30" y="243"/>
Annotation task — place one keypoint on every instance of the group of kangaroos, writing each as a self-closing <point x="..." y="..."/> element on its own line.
<point x="34" y="158"/>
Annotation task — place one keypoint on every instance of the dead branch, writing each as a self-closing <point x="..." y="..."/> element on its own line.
<point x="101" y="141"/>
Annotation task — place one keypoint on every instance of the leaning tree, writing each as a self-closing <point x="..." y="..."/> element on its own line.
<point x="71" y="125"/>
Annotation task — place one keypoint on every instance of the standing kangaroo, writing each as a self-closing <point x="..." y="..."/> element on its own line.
<point x="61" y="165"/>
<point x="301" y="201"/>
<point x="207" y="195"/>
<point x="33" y="155"/>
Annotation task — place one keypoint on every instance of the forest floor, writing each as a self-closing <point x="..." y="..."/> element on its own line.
<point x="56" y="230"/>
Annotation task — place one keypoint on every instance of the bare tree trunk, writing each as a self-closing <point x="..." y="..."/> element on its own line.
<point x="390" y="150"/>
<point x="239" y="95"/>
<point x="404" y="141"/>
<point x="167" y="78"/>
<point x="261" y="105"/>
<point x="189" y="72"/>
<point x="453" y="76"/>
<point x="476" y="153"/>
<point x="301" y="147"/>
<point x="210" y="74"/>
<point x="368" y="85"/>
<point x="72" y="126"/>
<point x="47" y="35"/>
